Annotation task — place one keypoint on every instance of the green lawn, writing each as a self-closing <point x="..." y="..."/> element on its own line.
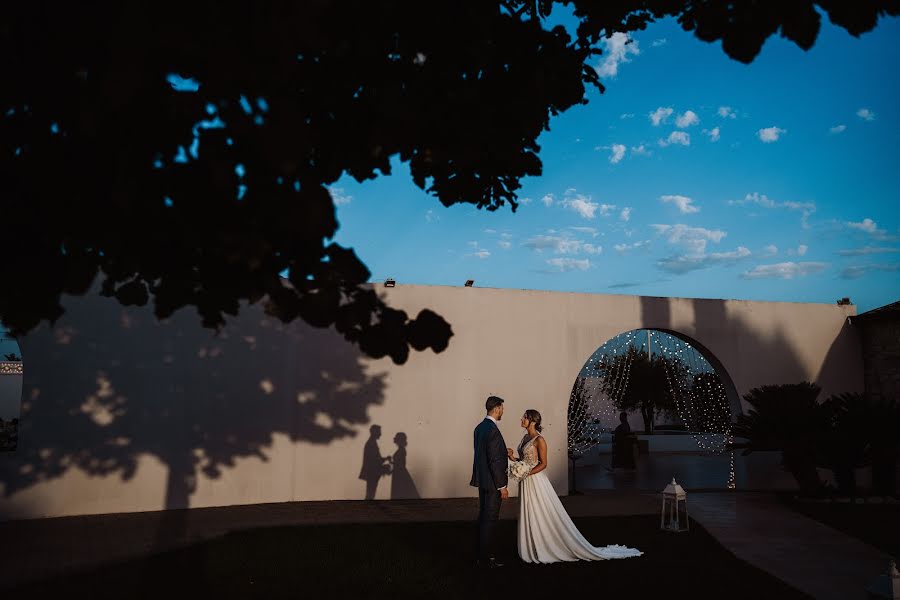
<point x="876" y="524"/>
<point x="423" y="560"/>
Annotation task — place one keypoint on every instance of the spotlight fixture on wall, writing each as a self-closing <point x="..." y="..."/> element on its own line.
<point x="470" y="282"/>
<point x="844" y="301"/>
<point x="389" y="283"/>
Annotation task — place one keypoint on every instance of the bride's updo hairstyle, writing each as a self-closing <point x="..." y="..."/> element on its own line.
<point x="535" y="417"/>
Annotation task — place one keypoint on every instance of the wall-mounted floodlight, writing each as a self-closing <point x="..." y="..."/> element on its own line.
<point x="389" y="283"/>
<point x="470" y="282"/>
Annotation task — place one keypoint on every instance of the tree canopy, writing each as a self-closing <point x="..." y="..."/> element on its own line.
<point x="112" y="168"/>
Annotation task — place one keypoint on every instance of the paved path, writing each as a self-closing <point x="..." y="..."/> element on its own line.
<point x="804" y="553"/>
<point x="810" y="556"/>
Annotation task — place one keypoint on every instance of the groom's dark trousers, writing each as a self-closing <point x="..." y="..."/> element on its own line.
<point x="488" y="475"/>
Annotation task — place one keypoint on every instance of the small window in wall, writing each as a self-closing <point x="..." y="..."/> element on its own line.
<point x="10" y="391"/>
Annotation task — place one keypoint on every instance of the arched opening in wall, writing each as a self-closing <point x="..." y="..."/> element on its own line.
<point x="10" y="391"/>
<point x="647" y="405"/>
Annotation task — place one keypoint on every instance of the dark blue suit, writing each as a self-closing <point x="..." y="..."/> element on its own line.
<point x="488" y="475"/>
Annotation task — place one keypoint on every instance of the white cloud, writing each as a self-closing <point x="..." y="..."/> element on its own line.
<point x="626" y="116"/>
<point x="623" y="248"/>
<point x="871" y="227"/>
<point x="770" y="134"/>
<point x="693" y="239"/>
<point x="625" y="215"/>
<point x="589" y="230"/>
<point x="339" y="197"/>
<point x="547" y="199"/>
<point x="561" y="244"/>
<point x="660" y="115"/>
<point x="838" y="129"/>
<point x="582" y="205"/>
<point x="616" y="50"/>
<point x="676" y="137"/>
<point x="490" y="231"/>
<point x="606" y="209"/>
<point x="570" y="264"/>
<point x="558" y="244"/>
<point x="867" y="225"/>
<point x="504" y="244"/>
<point x="801" y="250"/>
<point x="681" y="264"/>
<point x="754" y="198"/>
<point x="785" y="270"/>
<point x="868" y="250"/>
<point x="865" y="114"/>
<point x="431" y="217"/>
<point x="769" y="251"/>
<point x="726" y="112"/>
<point x="506" y="236"/>
<point x="686" y="119"/>
<point x="659" y="42"/>
<point x="684" y="204"/>
<point x="640" y="150"/>
<point x="473" y="244"/>
<point x="524" y="200"/>
<point x="855" y="272"/>
<point x="617" y="153"/>
<point x="807" y="208"/>
<point x="713" y="134"/>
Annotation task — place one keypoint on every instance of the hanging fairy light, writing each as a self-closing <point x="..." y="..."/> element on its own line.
<point x="703" y="407"/>
<point x="699" y="396"/>
<point x="600" y="387"/>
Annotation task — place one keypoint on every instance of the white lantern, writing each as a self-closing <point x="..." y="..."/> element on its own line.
<point x="674" y="515"/>
<point x="887" y="585"/>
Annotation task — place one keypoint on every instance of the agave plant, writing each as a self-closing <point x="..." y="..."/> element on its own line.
<point x="787" y="418"/>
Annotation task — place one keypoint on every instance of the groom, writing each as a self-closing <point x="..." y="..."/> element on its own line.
<point x="489" y="476"/>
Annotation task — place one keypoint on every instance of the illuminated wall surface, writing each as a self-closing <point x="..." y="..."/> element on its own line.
<point x="121" y="412"/>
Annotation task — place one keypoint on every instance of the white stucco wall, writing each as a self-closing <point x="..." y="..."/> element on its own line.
<point x="123" y="413"/>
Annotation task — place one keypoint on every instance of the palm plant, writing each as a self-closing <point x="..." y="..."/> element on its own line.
<point x="787" y="418"/>
<point x="884" y="436"/>
<point x="847" y="445"/>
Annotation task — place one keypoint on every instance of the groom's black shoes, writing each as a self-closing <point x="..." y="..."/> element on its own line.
<point x="490" y="563"/>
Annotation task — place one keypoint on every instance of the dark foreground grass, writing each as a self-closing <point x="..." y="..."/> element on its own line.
<point x="422" y="560"/>
<point x="875" y="524"/>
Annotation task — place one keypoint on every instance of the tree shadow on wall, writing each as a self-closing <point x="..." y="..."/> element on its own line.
<point x="767" y="356"/>
<point x="108" y="385"/>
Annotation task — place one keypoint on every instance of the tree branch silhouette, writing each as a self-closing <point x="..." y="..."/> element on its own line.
<point x="183" y="152"/>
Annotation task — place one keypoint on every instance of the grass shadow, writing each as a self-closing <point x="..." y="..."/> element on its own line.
<point x="422" y="560"/>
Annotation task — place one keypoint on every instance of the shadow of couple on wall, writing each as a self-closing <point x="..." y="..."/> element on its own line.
<point x="108" y="386"/>
<point x="375" y="467"/>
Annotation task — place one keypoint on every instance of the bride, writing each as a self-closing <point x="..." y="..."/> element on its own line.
<point x="546" y="532"/>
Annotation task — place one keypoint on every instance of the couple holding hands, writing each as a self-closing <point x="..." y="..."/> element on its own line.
<point x="546" y="533"/>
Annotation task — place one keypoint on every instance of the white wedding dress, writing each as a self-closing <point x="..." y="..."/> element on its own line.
<point x="546" y="532"/>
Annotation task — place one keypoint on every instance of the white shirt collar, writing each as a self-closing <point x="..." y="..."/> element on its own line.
<point x="492" y="419"/>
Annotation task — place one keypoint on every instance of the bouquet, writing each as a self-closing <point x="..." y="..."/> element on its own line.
<point x="518" y="470"/>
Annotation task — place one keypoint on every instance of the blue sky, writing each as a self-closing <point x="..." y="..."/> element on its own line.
<point x="693" y="175"/>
